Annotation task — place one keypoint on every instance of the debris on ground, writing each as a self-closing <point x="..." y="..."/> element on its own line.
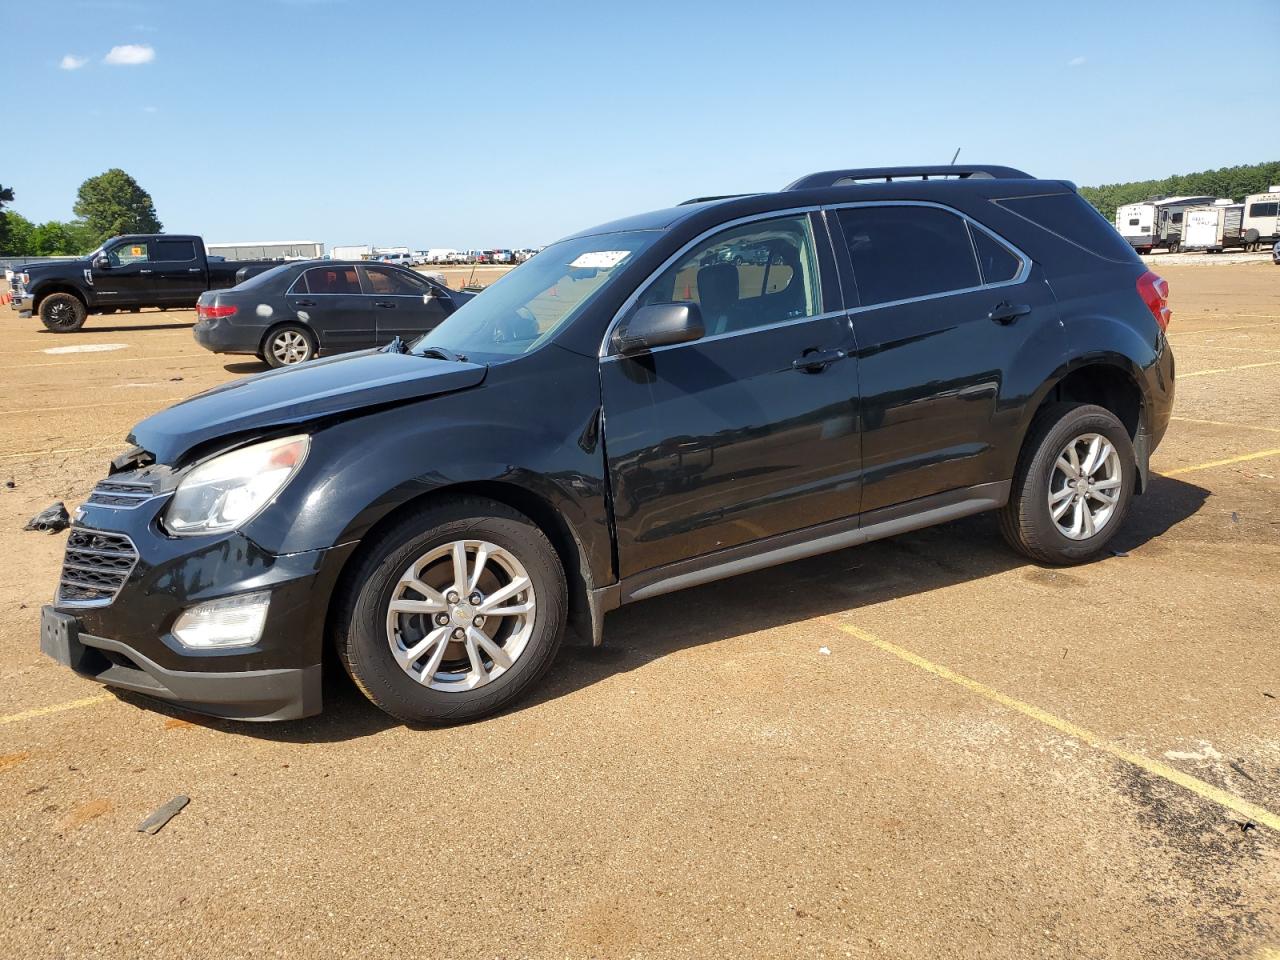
<point x="1119" y="553"/>
<point x="825" y="651"/>
<point x="174" y="379"/>
<point x="51" y="519"/>
<point x="154" y="823"/>
<point x="10" y="484"/>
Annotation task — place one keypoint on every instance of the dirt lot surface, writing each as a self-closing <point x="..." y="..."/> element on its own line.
<point x="925" y="747"/>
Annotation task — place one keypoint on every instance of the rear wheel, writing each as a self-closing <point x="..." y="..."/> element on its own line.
<point x="1174" y="248"/>
<point x="454" y="613"/>
<point x="1075" y="478"/>
<point x="62" y="312"/>
<point x="288" y="344"/>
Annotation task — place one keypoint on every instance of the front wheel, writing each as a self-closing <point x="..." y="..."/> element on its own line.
<point x="452" y="614"/>
<point x="62" y="312"/>
<point x="1074" y="481"/>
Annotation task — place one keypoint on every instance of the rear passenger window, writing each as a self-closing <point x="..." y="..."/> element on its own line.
<point x="997" y="261"/>
<point x="903" y="252"/>
<point x="333" y="280"/>
<point x="300" y="285"/>
<point x="758" y="274"/>
<point x="1075" y="220"/>
<point x="175" y="251"/>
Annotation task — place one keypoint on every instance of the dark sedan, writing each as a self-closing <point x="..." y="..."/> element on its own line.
<point x="295" y="311"/>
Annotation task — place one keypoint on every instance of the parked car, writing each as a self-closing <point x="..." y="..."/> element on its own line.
<point x="613" y="421"/>
<point x="293" y="312"/>
<point x="399" y="259"/>
<point x="125" y="273"/>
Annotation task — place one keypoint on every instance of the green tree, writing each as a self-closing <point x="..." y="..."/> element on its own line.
<point x="18" y="231"/>
<point x="6" y="196"/>
<point x="52" y="239"/>
<point x="1234" y="182"/>
<point x="113" y="203"/>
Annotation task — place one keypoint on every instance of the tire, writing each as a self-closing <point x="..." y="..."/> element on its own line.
<point x="1026" y="520"/>
<point x="288" y="344"/>
<point x="366" y="629"/>
<point x="1174" y="247"/>
<point x="62" y="312"/>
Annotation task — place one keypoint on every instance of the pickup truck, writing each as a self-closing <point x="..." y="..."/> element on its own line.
<point x="125" y="273"/>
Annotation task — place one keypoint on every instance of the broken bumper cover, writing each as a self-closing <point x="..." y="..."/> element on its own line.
<point x="280" y="694"/>
<point x="219" y="335"/>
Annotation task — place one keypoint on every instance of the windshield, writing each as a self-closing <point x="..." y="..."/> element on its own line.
<point x="526" y="307"/>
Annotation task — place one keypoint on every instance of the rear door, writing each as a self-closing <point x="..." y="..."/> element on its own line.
<point x="946" y="308"/>
<point x="176" y="270"/>
<point x="330" y="300"/>
<point x="402" y="303"/>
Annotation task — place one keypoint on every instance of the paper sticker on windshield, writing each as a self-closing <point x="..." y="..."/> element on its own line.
<point x="601" y="259"/>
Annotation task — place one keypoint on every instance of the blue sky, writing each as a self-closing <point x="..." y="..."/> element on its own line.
<point x="511" y="124"/>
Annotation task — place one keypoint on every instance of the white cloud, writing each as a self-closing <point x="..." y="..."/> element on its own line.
<point x="130" y="54"/>
<point x="1075" y="62"/>
<point x="72" y="62"/>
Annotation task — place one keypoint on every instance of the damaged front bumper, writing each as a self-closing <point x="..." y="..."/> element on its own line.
<point x="125" y="584"/>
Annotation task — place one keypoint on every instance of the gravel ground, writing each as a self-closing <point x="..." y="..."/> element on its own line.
<point x="921" y="747"/>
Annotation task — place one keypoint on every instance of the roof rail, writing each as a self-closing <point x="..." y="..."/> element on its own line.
<point x="724" y="196"/>
<point x="968" y="171"/>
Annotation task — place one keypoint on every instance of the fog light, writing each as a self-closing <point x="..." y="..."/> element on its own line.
<point x="229" y="622"/>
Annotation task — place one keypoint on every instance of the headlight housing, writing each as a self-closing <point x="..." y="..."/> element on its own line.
<point x="231" y="489"/>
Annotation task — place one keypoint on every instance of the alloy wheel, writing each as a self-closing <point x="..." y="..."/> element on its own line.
<point x="461" y="615"/>
<point x="1084" y="487"/>
<point x="290" y="346"/>
<point x="61" y="314"/>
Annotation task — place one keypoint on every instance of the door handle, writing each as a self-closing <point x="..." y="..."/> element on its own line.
<point x="1006" y="313"/>
<point x="193" y="269"/>
<point x="385" y="304"/>
<point x="815" y="361"/>
<point x="144" y="271"/>
<point x="304" y="303"/>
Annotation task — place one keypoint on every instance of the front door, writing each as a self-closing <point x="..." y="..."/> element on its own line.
<point x="329" y="300"/>
<point x="750" y="431"/>
<point x="127" y="277"/>
<point x="178" y="277"/>
<point x="404" y="304"/>
<point x="946" y="310"/>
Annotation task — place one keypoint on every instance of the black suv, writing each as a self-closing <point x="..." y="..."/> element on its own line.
<point x="651" y="404"/>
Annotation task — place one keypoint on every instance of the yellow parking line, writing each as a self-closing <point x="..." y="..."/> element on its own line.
<point x="1208" y="791"/>
<point x="1223" y="423"/>
<point x="85" y="363"/>
<point x="56" y="708"/>
<point x="46" y="453"/>
<point x="1243" y="366"/>
<point x="1261" y="454"/>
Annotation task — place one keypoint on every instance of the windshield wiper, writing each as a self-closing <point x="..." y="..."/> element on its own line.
<point x="441" y="353"/>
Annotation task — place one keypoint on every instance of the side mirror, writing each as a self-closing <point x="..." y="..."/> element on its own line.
<point x="659" y="325"/>
<point x="433" y="293"/>
<point x="101" y="263"/>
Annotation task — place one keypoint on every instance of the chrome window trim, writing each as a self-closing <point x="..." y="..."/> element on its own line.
<point x="1020" y="277"/>
<point x="630" y="302"/>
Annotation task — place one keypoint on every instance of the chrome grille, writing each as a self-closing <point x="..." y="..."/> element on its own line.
<point x="121" y="493"/>
<point x="95" y="566"/>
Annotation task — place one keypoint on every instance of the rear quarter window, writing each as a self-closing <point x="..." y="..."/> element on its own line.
<point x="1071" y="217"/>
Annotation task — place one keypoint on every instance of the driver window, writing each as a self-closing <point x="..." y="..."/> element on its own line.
<point x="750" y="276"/>
<point x="133" y="251"/>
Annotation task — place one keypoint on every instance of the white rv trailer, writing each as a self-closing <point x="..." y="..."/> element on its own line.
<point x="1261" y="224"/>
<point x="1155" y="223"/>
<point x="1212" y="228"/>
<point x="351" y="251"/>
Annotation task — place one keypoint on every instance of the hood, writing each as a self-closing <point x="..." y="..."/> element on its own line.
<point x="292" y="395"/>
<point x="41" y="267"/>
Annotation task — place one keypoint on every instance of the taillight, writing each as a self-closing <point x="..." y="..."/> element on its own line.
<point x="206" y="311"/>
<point x="1154" y="291"/>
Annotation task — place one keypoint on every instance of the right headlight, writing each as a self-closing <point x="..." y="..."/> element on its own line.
<point x="230" y="489"/>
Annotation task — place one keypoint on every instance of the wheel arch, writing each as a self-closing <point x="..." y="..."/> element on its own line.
<point x="289" y="322"/>
<point x="1108" y="380"/>
<point x="585" y="616"/>
<point x="42" y="292"/>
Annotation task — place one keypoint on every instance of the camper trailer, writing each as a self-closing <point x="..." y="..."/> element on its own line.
<point x="1212" y="228"/>
<point x="1156" y="223"/>
<point x="1261" y="224"/>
